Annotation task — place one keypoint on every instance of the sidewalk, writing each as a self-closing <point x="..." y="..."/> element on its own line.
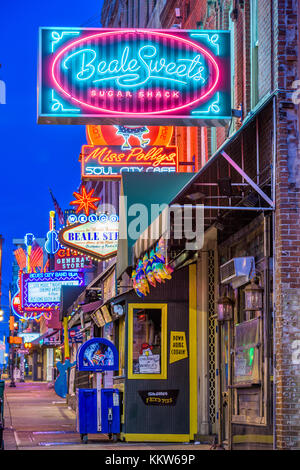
<point x="37" y="419"/>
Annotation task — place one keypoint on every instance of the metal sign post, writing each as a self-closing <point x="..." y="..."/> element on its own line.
<point x="99" y="386"/>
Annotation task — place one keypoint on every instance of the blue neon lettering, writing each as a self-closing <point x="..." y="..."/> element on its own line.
<point x="128" y="72"/>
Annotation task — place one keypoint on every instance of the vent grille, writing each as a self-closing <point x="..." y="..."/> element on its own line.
<point x="227" y="270"/>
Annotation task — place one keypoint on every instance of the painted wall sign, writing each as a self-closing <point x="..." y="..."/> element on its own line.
<point x="122" y="75"/>
<point x="159" y="397"/>
<point x="178" y="349"/>
<point x="98" y="239"/>
<point x="111" y="161"/>
<point x="97" y="354"/>
<point x="41" y="291"/>
<point x="67" y="259"/>
<point x="129" y="136"/>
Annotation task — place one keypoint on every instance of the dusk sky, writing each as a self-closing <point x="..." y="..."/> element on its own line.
<point x="34" y="157"/>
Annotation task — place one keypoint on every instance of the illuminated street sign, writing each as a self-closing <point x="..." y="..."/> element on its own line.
<point x="41" y="291"/>
<point x="129" y="76"/>
<point x="129" y="136"/>
<point x="97" y="239"/>
<point x="112" y="161"/>
<point x="113" y="150"/>
<point x="66" y="259"/>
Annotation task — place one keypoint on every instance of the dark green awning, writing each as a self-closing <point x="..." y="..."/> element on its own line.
<point x="145" y="190"/>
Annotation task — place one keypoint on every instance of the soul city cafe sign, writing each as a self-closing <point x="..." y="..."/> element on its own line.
<point x="125" y="75"/>
<point x="113" y="150"/>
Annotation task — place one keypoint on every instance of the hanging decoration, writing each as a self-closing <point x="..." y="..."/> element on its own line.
<point x="151" y="270"/>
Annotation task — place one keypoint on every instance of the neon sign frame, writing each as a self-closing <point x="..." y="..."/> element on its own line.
<point x="108" y="162"/>
<point x="67" y="277"/>
<point x="91" y="238"/>
<point x="182" y="76"/>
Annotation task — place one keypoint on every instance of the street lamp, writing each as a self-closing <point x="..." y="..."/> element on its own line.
<point x="225" y="308"/>
<point x="253" y="299"/>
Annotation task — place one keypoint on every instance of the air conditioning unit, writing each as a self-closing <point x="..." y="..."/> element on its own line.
<point x="237" y="271"/>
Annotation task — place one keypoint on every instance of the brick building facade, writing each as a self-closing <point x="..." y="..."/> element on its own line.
<point x="265" y="66"/>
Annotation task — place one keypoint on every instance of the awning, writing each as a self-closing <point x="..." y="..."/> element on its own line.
<point x="49" y="332"/>
<point x="91" y="307"/>
<point x="68" y="295"/>
<point x="234" y="185"/>
<point x="143" y="197"/>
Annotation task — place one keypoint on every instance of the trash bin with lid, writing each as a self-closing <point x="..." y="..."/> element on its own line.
<point x="98" y="409"/>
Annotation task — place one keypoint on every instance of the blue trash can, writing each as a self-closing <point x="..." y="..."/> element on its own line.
<point x="86" y="411"/>
<point x="86" y="419"/>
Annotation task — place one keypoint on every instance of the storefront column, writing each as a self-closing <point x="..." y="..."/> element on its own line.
<point x="202" y="343"/>
<point x="206" y="294"/>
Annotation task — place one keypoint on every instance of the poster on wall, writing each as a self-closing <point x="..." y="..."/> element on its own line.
<point x="149" y="364"/>
<point x="123" y="76"/>
<point x="178" y="348"/>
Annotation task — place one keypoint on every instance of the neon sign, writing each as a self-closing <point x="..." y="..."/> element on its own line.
<point x="129" y="136"/>
<point x="85" y="201"/>
<point x="112" y="161"/>
<point x="66" y="259"/>
<point x="123" y="75"/>
<point x="41" y="291"/>
<point x="97" y="239"/>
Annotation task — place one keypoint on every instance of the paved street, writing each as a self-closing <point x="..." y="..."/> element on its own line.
<point x="37" y="419"/>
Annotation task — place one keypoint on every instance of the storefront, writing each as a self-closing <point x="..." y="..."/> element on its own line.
<point x="156" y="339"/>
<point x="236" y="274"/>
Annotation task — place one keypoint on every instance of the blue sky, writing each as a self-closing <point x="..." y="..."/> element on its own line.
<point x="33" y="157"/>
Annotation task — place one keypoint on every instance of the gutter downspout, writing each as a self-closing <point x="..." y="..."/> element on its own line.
<point x="273" y="189"/>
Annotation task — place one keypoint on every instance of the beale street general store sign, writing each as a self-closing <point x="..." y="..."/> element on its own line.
<point x="129" y="76"/>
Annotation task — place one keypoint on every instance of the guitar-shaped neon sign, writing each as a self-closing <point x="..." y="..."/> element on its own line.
<point x="52" y="243"/>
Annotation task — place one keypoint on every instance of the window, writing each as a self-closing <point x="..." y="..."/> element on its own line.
<point x="147" y="341"/>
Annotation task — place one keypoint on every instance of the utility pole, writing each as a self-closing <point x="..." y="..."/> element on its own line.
<point x="11" y="345"/>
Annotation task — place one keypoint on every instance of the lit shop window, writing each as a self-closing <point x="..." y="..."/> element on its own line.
<point x="147" y="341"/>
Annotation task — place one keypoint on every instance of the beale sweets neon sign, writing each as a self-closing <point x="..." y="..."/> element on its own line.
<point x="123" y="76"/>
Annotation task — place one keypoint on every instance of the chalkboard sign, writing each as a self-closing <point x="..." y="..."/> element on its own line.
<point x="246" y="358"/>
<point x="97" y="355"/>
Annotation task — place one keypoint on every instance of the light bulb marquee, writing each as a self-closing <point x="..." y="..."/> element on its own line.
<point x="129" y="76"/>
<point x="96" y="237"/>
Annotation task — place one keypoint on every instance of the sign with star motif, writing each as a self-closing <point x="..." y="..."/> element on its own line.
<point x="85" y="201"/>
